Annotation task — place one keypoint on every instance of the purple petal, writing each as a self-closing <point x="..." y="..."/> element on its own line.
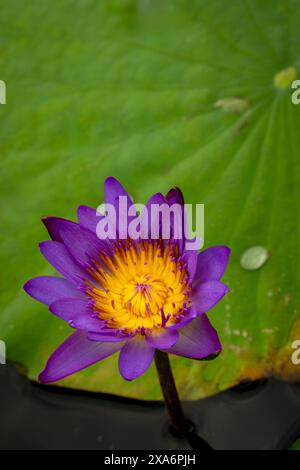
<point x="87" y="322"/>
<point x="207" y="295"/>
<point x="212" y="263"/>
<point x="175" y="196"/>
<point x="189" y="316"/>
<point x="151" y="227"/>
<point x="76" y="353"/>
<point x="88" y="217"/>
<point x="162" y="339"/>
<point x="198" y="340"/>
<point x="69" y="309"/>
<point x="57" y="255"/>
<point x="108" y="336"/>
<point x="83" y="245"/>
<point x="191" y="258"/>
<point x="52" y="225"/>
<point x="135" y="358"/>
<point x="48" y="289"/>
<point x="112" y="192"/>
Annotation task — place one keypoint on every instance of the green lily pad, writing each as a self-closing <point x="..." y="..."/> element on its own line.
<point x="129" y="88"/>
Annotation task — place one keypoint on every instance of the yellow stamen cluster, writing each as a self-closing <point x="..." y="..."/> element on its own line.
<point x="142" y="287"/>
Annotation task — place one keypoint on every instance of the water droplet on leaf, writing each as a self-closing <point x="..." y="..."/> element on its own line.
<point x="254" y="258"/>
<point x="233" y="104"/>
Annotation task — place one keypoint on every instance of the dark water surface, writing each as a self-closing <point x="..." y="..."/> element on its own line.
<point x="256" y="415"/>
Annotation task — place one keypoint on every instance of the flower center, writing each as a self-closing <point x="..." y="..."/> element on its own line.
<point x="143" y="286"/>
<point x="144" y="296"/>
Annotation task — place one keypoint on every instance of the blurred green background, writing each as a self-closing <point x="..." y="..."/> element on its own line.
<point x="156" y="93"/>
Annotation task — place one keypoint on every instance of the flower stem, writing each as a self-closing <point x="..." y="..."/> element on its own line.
<point x="170" y="393"/>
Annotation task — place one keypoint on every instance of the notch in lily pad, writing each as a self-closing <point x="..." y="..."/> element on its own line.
<point x="254" y="258"/>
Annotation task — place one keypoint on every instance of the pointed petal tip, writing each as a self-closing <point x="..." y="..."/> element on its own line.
<point x="176" y="194"/>
<point x="84" y="209"/>
<point x="53" y="225"/>
<point x="26" y="286"/>
<point x="42" y="377"/>
<point x="227" y="251"/>
<point x="45" y="218"/>
<point x="219" y="250"/>
<point x="226" y="289"/>
<point x="111" y="179"/>
<point x="45" y="378"/>
<point x="112" y="183"/>
<point x="42" y="244"/>
<point x="224" y="247"/>
<point x="74" y="354"/>
<point x="212" y="356"/>
<point x="48" y="218"/>
<point x="199" y="340"/>
<point x="127" y="378"/>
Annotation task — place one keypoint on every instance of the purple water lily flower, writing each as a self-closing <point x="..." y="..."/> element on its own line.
<point x="127" y="296"/>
